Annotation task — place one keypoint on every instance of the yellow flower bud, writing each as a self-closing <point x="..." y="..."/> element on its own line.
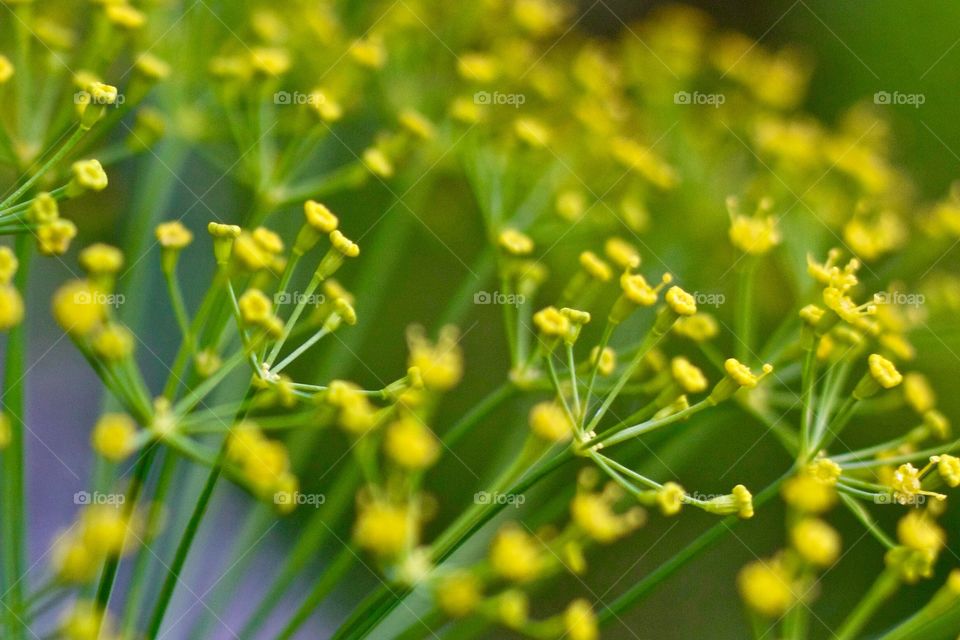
<point x="515" y="555"/>
<point x="79" y="307"/>
<point x="173" y="235"/>
<point x="11" y="307"/>
<point x="515" y="242"/>
<point x="113" y="342"/>
<point x="410" y="444"/>
<point x="580" y="622"/>
<point x="459" y="593"/>
<point x="816" y="541"/>
<point x="550" y="422"/>
<point x="114" y="436"/>
<point x="383" y="529"/>
<point x="101" y="259"/>
<point x="87" y="175"/>
<point x="53" y="238"/>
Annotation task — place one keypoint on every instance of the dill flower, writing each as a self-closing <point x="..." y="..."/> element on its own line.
<point x="550" y="422"/>
<point x="78" y="307"/>
<point x="255" y="307"/>
<point x="6" y="69"/>
<point x="477" y="67"/>
<point x="173" y="235"/>
<point x="85" y="620"/>
<point x="807" y="493"/>
<point x="594" y="514"/>
<point x="816" y="541"/>
<point x="101" y="260"/>
<point x="114" y="436"/>
<point x="6" y="431"/>
<point x="571" y="205"/>
<point x="377" y="161"/>
<point x="580" y="622"/>
<point x="738" y="376"/>
<point x="383" y="529"/>
<point x="369" y="52"/>
<point x="459" y="594"/>
<point x="515" y="242"/>
<point x="687" y="375"/>
<point x="918" y="531"/>
<point x="11" y="307"/>
<point x="699" y="327"/>
<point x="53" y="238"/>
<point x="152" y="67"/>
<point x="125" y="16"/>
<point x="595" y="267"/>
<point x="884" y="371"/>
<point x="271" y="61"/>
<point x="344" y="245"/>
<point x="949" y="468"/>
<point x="532" y="132"/>
<point x="755" y="236"/>
<point x="515" y="555"/>
<point x="551" y="323"/>
<point x="440" y="364"/>
<point x="43" y="209"/>
<point x="410" y="444"/>
<point x="670" y="498"/>
<point x="621" y="253"/>
<point x="73" y="562"/>
<point x="513" y="608"/>
<point x="88" y="175"/>
<point x="739" y="501"/>
<point x="605" y="361"/>
<point x="249" y="254"/>
<point x="113" y="342"/>
<point x="417" y="124"/>
<point x="911" y="564"/>
<point x="766" y="587"/>
<point x="680" y="302"/>
<point x="906" y="484"/>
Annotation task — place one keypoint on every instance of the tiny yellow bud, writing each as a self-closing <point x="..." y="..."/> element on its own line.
<point x="459" y="593"/>
<point x="680" y="302"/>
<point x="884" y="371"/>
<point x="53" y="238"/>
<point x="410" y="444"/>
<point x="43" y="209"/>
<point x="949" y="468"/>
<point x="114" y="436"/>
<point x="320" y="217"/>
<point x="580" y="622"/>
<point x="670" y="498"/>
<point x="11" y="307"/>
<point x="687" y="375"/>
<point x="816" y="541"/>
<point x="125" y="16"/>
<point x="622" y="253"/>
<point x="551" y="322"/>
<point x="515" y="242"/>
<point x="607" y="360"/>
<point x="383" y="528"/>
<point x="255" y="307"/>
<point x="113" y="342"/>
<point x="595" y="266"/>
<point x="550" y="422"/>
<point x="344" y="245"/>
<point x="87" y="175"/>
<point x="173" y="235"/>
<point x="6" y="69"/>
<point x="515" y="555"/>
<point x="101" y="259"/>
<point x="766" y="587"/>
<point x="78" y="307"/>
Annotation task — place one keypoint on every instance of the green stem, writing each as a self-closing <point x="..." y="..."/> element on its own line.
<point x="49" y="164"/>
<point x="331" y="576"/>
<point x="882" y="589"/>
<point x="13" y="458"/>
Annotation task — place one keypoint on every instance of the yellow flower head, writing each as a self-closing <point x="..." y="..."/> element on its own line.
<point x="6" y="431"/>
<point x="605" y="361"/>
<point x="687" y="375"/>
<point x="884" y="371"/>
<point x="949" y="469"/>
<point x="670" y="498"/>
<point x="641" y="159"/>
<point x="88" y="175"/>
<point x="6" y="69"/>
<point x="73" y="562"/>
<point x="918" y="393"/>
<point x="320" y="217"/>
<point x="125" y="16"/>
<point x="699" y="327"/>
<point x="550" y="422"/>
<point x="806" y="493"/>
<point x="101" y="259"/>
<point x="571" y="205"/>
<point x="383" y="529"/>
<point x="417" y="124"/>
<point x="816" y="541"/>
<point x="344" y="245"/>
<point x="825" y="470"/>
<point x="173" y="235"/>
<point x="113" y="342"/>
<point x="369" y="52"/>
<point x="410" y="444"/>
<point x="550" y="322"/>
<point x="440" y="363"/>
<point x="595" y="515"/>
<point x="741" y="374"/>
<point x="532" y="132"/>
<point x="43" y="209"/>
<point x="595" y="267"/>
<point x="377" y="162"/>
<point x="114" y="436"/>
<point x="53" y="238"/>
<point x="755" y="236"/>
<point x="513" y="608"/>
<point x="580" y="622"/>
<point x="255" y="307"/>
<point x="86" y="621"/>
<point x="79" y="307"/>
<point x="739" y="502"/>
<point x="152" y="67"/>
<point x="515" y="555"/>
<point x="515" y="242"/>
<point x="917" y="530"/>
<point x="680" y="302"/>
<point x="104" y="529"/>
<point x="622" y="253"/>
<point x="636" y="290"/>
<point x="459" y="593"/>
<point x="477" y="67"/>
<point x="766" y="587"/>
<point x="11" y="307"/>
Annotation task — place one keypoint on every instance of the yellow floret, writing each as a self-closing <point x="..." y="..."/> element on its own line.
<point x="680" y="302"/>
<point x="550" y="322"/>
<point x="173" y="235"/>
<point x="410" y="444"/>
<point x="884" y="371"/>
<point x="98" y="259"/>
<point x="515" y="242"/>
<point x="441" y="363"/>
<point x="53" y="238"/>
<point x="383" y="529"/>
<point x="78" y="307"/>
<point x="459" y="593"/>
<point x="550" y="422"/>
<point x="11" y="307"/>
<point x="580" y="622"/>
<point x="516" y="555"/>
<point x="766" y="588"/>
<point x="114" y="436"/>
<point x="670" y="498"/>
<point x="113" y="342"/>
<point x="816" y="541"/>
<point x="687" y="375"/>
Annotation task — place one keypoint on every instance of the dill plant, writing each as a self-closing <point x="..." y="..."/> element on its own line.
<point x="601" y="149"/>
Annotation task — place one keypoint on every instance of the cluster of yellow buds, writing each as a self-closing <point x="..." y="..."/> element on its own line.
<point x="101" y="531"/>
<point x="264" y="464"/>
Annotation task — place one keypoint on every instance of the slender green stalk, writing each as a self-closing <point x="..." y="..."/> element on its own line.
<point x="13" y="490"/>
<point x="71" y="142"/>
<point x="882" y="590"/>
<point x="332" y="574"/>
